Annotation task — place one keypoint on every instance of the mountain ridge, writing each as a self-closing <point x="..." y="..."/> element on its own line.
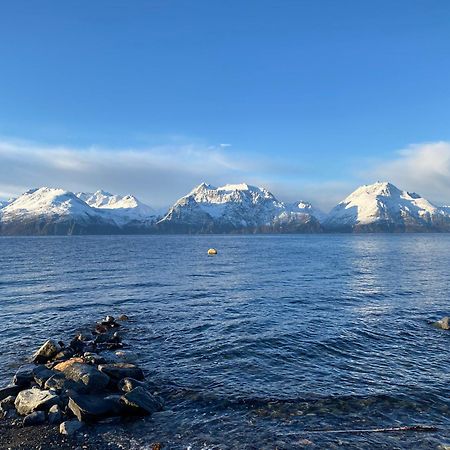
<point x="231" y="208"/>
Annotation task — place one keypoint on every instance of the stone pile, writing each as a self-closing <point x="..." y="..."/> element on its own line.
<point x="87" y="381"/>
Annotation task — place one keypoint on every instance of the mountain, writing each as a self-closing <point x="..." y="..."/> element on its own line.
<point x="383" y="207"/>
<point x="234" y="208"/>
<point x="125" y="211"/>
<point x="306" y="208"/>
<point x="4" y="203"/>
<point x="52" y="211"/>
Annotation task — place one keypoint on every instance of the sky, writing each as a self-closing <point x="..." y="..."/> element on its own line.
<point x="309" y="99"/>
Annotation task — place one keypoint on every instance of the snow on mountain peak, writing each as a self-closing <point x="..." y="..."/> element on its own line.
<point x="46" y="202"/>
<point x="124" y="208"/>
<point x="231" y="207"/>
<point x="384" y="205"/>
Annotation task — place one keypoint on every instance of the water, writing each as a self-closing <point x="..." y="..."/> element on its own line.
<point x="274" y="338"/>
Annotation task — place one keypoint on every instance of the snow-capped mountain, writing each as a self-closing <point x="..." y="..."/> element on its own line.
<point x="4" y="203"/>
<point x="306" y="208"/>
<point x="124" y="210"/>
<point x="383" y="207"/>
<point x="51" y="211"/>
<point x="233" y="208"/>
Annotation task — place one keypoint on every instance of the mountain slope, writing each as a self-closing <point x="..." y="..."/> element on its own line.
<point x="52" y="211"/>
<point x="383" y="207"/>
<point x="124" y="210"/>
<point x="233" y="208"/>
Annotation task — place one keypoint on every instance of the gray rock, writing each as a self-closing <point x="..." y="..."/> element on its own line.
<point x="47" y="351"/>
<point x="59" y="383"/>
<point x="70" y="427"/>
<point x="88" y="375"/>
<point x="90" y="408"/>
<point x="34" y="399"/>
<point x="141" y="401"/>
<point x="35" y="418"/>
<point x="7" y="403"/>
<point x="24" y="375"/>
<point x="444" y="323"/>
<point x="128" y="384"/>
<point x="94" y="358"/>
<point x="64" y="354"/>
<point x="9" y="390"/>
<point x="108" y="320"/>
<point x="9" y="414"/>
<point x="55" y="415"/>
<point x="42" y="374"/>
<point x="117" y="371"/>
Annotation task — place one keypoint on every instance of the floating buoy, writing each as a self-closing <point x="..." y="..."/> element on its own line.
<point x="212" y="251"/>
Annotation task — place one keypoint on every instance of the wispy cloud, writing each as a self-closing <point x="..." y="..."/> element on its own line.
<point x="424" y="168"/>
<point x="158" y="175"/>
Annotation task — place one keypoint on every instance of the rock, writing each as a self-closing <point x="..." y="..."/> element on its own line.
<point x="64" y="354"/>
<point x="88" y="375"/>
<point x="101" y="329"/>
<point x="55" y="415"/>
<point x="108" y="320"/>
<point x="47" y="351"/>
<point x="117" y="371"/>
<point x="7" y="403"/>
<point x="70" y="427"/>
<point x="125" y="355"/>
<point x="77" y="344"/>
<point x="34" y="399"/>
<point x="42" y="374"/>
<point x="90" y="408"/>
<point x="24" y="375"/>
<point x="94" y="358"/>
<point x="65" y="364"/>
<point x="11" y="390"/>
<point x="9" y="414"/>
<point x="61" y="384"/>
<point x="141" y="401"/>
<point x="444" y="323"/>
<point x="123" y="318"/>
<point x="35" y="418"/>
<point x="128" y="384"/>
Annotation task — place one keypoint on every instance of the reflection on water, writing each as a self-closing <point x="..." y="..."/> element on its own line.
<point x="274" y="338"/>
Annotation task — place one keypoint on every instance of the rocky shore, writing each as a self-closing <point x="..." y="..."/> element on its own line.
<point x="66" y="389"/>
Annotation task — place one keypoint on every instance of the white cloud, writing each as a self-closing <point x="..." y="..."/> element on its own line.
<point x="158" y="175"/>
<point x="423" y="168"/>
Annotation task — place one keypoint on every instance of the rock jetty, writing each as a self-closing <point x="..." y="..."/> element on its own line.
<point x="86" y="381"/>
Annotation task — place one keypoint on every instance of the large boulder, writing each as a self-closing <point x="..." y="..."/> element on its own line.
<point x="47" y="351"/>
<point x="34" y="399"/>
<point x="117" y="371"/>
<point x="42" y="374"/>
<point x="88" y="375"/>
<point x="55" y="415"/>
<point x="35" y="418"/>
<point x="128" y="384"/>
<point x="58" y="382"/>
<point x="7" y="403"/>
<point x="24" y="375"/>
<point x="90" y="408"/>
<point x="141" y="401"/>
<point x="9" y="390"/>
<point x="443" y="324"/>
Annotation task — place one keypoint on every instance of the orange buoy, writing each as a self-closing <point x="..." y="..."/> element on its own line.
<point x="212" y="251"/>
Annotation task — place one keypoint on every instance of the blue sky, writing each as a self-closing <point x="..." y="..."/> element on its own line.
<point x="311" y="97"/>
